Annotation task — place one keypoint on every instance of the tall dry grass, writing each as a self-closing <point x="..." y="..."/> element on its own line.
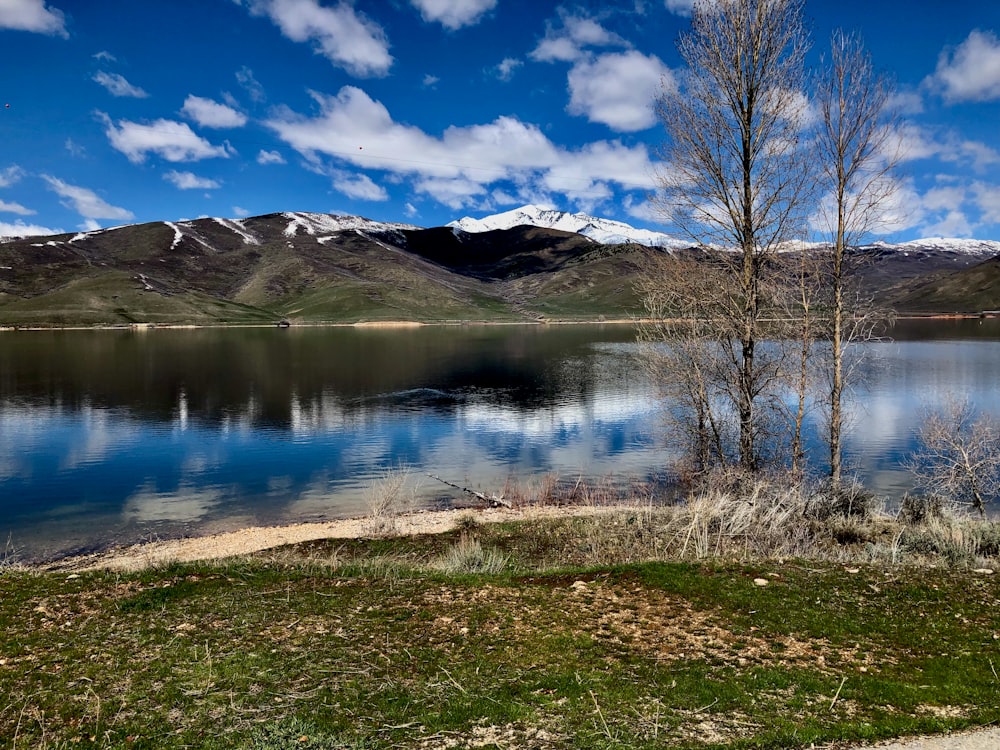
<point x="733" y="516"/>
<point x="387" y="497"/>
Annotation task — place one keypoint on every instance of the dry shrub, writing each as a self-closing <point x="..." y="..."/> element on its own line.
<point x="915" y="510"/>
<point x="387" y="497"/>
<point x="955" y="539"/>
<point x="468" y="555"/>
<point x="959" y="455"/>
<point x="10" y="558"/>
<point x="734" y="515"/>
<point x="548" y="490"/>
<point x="846" y="500"/>
<point x="744" y="516"/>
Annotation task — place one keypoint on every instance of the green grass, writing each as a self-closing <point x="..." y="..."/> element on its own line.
<point x="116" y="298"/>
<point x="375" y="644"/>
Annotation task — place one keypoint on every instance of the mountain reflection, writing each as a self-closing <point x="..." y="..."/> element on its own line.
<point x="271" y="378"/>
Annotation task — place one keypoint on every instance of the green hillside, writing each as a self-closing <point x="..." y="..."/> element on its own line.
<point x="320" y="268"/>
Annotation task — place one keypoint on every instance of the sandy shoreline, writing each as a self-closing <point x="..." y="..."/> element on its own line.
<point x="258" y="538"/>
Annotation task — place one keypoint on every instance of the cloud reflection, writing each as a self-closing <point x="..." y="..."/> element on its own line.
<point x="185" y="505"/>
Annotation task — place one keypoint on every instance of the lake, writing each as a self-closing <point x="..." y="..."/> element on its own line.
<point x="117" y="436"/>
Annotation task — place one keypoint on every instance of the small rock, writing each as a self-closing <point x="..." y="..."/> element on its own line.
<point x="579" y="586"/>
<point x="984" y="571"/>
<point x="760" y="582"/>
<point x="854" y="570"/>
<point x="74" y="576"/>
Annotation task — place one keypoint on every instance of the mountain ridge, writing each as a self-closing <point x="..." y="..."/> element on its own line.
<point x="601" y="230"/>
<point x="312" y="267"/>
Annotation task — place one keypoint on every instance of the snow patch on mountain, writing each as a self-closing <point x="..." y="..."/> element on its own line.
<point x="86" y="235"/>
<point x="326" y="224"/>
<point x="178" y="234"/>
<point x="984" y="248"/>
<point x="237" y="226"/>
<point x="605" y="231"/>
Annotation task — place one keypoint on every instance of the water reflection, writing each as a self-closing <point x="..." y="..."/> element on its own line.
<point x="109" y="436"/>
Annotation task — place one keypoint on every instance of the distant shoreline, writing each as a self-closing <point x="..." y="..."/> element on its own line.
<point x="359" y="324"/>
<point x="369" y="324"/>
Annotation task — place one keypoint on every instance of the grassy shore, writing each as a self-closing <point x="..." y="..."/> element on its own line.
<point x="619" y="629"/>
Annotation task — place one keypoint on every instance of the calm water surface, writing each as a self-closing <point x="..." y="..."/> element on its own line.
<point x="115" y="436"/>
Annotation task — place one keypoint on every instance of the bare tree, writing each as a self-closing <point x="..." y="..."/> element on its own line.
<point x="959" y="455"/>
<point x="803" y="306"/>
<point x="684" y="354"/>
<point x="856" y="157"/>
<point x="735" y="175"/>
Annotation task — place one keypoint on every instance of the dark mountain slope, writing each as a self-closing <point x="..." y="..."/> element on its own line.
<point x="500" y="253"/>
<point x="969" y="290"/>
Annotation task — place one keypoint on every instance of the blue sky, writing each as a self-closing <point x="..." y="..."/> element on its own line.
<point x="423" y="111"/>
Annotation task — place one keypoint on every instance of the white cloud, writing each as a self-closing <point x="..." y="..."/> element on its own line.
<point x="954" y="224"/>
<point x="430" y="81"/>
<point x="74" y="148"/>
<point x="410" y="210"/>
<point x="246" y="79"/>
<point x="32" y="15"/>
<point x="105" y="56"/>
<point x="118" y="86"/>
<point x="912" y="143"/>
<point x="212" y="114"/>
<point x="239" y="211"/>
<point x="902" y="210"/>
<point x="915" y="143"/>
<point x="898" y="208"/>
<point x="566" y="44"/>
<point x="906" y="102"/>
<point x="346" y="38"/>
<point x="503" y="198"/>
<point x="15" y="208"/>
<point x="945" y="198"/>
<point x="618" y="90"/>
<point x="971" y="71"/>
<point x="190" y="181"/>
<point x="359" y="186"/>
<point x="644" y="210"/>
<point x="173" y="141"/>
<point x="270" y="157"/>
<point x="680" y="7"/>
<point x="10" y="175"/>
<point x="458" y="165"/>
<point x="454" y="14"/>
<point x="20" y="229"/>
<point x="987" y="199"/>
<point x="505" y="70"/>
<point x="606" y="161"/>
<point x="976" y="153"/>
<point x="453" y="192"/>
<point x="85" y="202"/>
<point x="90" y="225"/>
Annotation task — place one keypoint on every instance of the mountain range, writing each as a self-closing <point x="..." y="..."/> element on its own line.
<point x="526" y="264"/>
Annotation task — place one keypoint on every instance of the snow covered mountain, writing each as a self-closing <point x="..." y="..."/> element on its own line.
<point x="605" y="231"/>
<point x="610" y="232"/>
<point x="325" y="224"/>
<point x="958" y="246"/>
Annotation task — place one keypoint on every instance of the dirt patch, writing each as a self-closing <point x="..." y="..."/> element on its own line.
<point x="255" y="539"/>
